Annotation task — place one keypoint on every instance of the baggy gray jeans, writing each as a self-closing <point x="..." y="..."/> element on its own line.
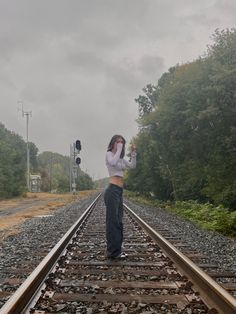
<point x="113" y="198"/>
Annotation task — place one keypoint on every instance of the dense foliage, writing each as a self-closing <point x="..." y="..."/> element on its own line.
<point x="53" y="167"/>
<point x="187" y="137"/>
<point x="207" y="216"/>
<point x="55" y="172"/>
<point x="12" y="163"/>
<point x="101" y="183"/>
<point x="84" y="181"/>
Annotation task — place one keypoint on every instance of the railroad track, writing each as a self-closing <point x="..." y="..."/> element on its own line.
<point x="76" y="276"/>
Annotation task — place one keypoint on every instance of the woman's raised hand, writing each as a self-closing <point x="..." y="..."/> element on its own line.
<point x="133" y="148"/>
<point x="119" y="145"/>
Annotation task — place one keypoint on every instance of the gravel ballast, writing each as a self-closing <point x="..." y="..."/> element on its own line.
<point x="45" y="232"/>
<point x="39" y="234"/>
<point x="219" y="249"/>
<point x="42" y="233"/>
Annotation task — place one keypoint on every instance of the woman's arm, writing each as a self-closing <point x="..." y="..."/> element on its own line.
<point x="132" y="162"/>
<point x="111" y="158"/>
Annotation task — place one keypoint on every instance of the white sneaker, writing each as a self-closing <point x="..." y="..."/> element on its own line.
<point x="122" y="255"/>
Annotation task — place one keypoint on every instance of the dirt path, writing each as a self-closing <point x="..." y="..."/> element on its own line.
<point x="15" y="211"/>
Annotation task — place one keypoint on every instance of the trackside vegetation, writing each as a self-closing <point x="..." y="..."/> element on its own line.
<point x="206" y="216"/>
<point x="53" y="167"/>
<point x="12" y="163"/>
<point x="187" y="136"/>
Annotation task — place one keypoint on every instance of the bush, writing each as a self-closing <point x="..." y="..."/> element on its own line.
<point x="207" y="216"/>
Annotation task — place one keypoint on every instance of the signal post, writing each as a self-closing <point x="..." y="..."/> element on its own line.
<point x="75" y="161"/>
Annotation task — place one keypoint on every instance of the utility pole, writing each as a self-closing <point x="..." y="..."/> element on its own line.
<point x="27" y="114"/>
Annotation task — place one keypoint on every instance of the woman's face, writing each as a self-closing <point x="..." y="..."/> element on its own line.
<point x="118" y="140"/>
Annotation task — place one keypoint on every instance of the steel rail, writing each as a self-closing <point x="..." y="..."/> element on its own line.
<point x="20" y="300"/>
<point x="214" y="296"/>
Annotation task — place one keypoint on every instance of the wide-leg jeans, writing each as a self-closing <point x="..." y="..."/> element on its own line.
<point x="113" y="198"/>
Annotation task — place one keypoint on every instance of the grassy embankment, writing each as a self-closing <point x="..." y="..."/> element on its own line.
<point x="206" y="216"/>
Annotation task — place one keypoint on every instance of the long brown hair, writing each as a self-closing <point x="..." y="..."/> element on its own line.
<point x="112" y="142"/>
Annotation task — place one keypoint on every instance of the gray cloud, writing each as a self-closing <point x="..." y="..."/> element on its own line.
<point x="79" y="65"/>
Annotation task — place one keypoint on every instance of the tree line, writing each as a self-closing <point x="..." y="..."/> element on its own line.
<point x="53" y="167"/>
<point x="187" y="129"/>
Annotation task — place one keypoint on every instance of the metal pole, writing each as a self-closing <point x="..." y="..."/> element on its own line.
<point x="70" y="168"/>
<point x="27" y="146"/>
<point x="73" y="170"/>
<point x="27" y="114"/>
<point x="50" y="172"/>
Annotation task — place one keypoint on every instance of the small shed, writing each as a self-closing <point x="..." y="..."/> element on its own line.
<point x="35" y="183"/>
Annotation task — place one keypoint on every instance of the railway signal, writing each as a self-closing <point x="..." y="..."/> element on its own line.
<point x="78" y="148"/>
<point x="78" y="145"/>
<point x="75" y="161"/>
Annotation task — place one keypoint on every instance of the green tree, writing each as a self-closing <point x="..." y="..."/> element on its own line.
<point x="84" y="181"/>
<point x="55" y="173"/>
<point x="186" y="141"/>
<point x="12" y="163"/>
<point x="147" y="102"/>
<point x="54" y="169"/>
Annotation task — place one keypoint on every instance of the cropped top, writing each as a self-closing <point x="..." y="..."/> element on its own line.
<point x="117" y="165"/>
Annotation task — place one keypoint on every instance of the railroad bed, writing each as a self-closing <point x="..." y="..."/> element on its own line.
<point x="83" y="280"/>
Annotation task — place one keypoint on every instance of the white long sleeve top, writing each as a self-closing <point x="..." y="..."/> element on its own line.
<point x="117" y="165"/>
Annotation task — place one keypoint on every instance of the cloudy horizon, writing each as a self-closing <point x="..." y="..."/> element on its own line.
<point x="79" y="65"/>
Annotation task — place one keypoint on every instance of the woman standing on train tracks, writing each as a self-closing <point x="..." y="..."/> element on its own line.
<point x="113" y="197"/>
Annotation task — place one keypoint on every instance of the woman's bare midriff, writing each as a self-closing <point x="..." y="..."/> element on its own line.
<point x="116" y="180"/>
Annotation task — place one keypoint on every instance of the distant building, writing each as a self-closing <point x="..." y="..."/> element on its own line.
<point x="35" y="183"/>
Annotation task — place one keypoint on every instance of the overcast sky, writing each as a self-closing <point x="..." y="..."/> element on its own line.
<point x="78" y="65"/>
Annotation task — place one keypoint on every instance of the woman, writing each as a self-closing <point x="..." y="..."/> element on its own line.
<point x="116" y="164"/>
